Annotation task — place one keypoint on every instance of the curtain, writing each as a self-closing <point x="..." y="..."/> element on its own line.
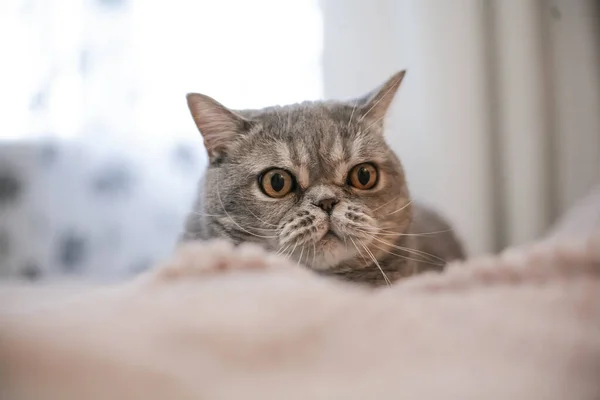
<point x="498" y="119"/>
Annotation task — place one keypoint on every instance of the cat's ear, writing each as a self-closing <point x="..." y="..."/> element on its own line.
<point x="376" y="104"/>
<point x="218" y="125"/>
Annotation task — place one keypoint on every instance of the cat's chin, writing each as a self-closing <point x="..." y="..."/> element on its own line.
<point x="331" y="251"/>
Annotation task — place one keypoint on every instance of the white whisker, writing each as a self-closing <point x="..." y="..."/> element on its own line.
<point x="365" y="260"/>
<point x="421" y="253"/>
<point x="282" y="250"/>
<point x="352" y="114"/>
<point x="406" y="257"/>
<point x="385" y="232"/>
<point x="413" y="251"/>
<point x="290" y="253"/>
<point x="358" y="250"/>
<point x="301" y="253"/>
<point x="391" y="233"/>
<point x="387" y="281"/>
<point x="386" y="203"/>
<point x="294" y="248"/>
<point x="401" y="208"/>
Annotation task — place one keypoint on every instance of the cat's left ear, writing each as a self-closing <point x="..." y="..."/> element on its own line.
<point x="218" y="125"/>
<point x="374" y="106"/>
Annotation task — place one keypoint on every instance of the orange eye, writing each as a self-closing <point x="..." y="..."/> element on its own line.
<point x="363" y="176"/>
<point x="276" y="182"/>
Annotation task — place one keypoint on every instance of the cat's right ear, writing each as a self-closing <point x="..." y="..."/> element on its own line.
<point x="375" y="105"/>
<point x="218" y="125"/>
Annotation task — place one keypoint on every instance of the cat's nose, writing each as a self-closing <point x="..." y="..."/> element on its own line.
<point x="327" y="204"/>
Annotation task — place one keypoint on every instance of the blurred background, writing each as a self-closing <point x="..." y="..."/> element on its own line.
<point x="497" y="121"/>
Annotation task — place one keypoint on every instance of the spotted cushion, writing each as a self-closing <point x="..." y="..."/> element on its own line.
<point x="69" y="208"/>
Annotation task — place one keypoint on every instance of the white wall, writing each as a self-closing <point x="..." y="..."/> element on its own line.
<point x="497" y="121"/>
<point x="441" y="46"/>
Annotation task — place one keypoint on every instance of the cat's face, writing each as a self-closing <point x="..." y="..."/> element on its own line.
<point x="315" y="181"/>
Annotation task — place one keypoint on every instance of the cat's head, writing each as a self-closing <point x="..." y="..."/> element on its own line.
<point x="315" y="181"/>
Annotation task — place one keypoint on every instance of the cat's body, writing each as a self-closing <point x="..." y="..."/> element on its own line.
<point x="316" y="182"/>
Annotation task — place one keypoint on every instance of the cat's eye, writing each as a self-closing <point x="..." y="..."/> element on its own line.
<point x="363" y="176"/>
<point x="276" y="182"/>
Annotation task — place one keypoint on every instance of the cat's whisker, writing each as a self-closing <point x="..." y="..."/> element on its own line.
<point x="365" y="231"/>
<point x="352" y="115"/>
<point x="414" y="234"/>
<point x="301" y="253"/>
<point x="365" y="260"/>
<point x="314" y="254"/>
<point x="387" y="281"/>
<point x="234" y="221"/>
<point x="282" y="249"/>
<point x="407" y="249"/>
<point x="386" y="203"/>
<point x="290" y="253"/>
<point x="391" y="233"/>
<point x="384" y="232"/>
<point x="401" y="208"/>
<point x="420" y="253"/>
<point x="358" y="250"/>
<point x="294" y="248"/>
<point x="405" y="257"/>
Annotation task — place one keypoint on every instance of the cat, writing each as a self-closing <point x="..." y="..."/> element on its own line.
<point x="316" y="182"/>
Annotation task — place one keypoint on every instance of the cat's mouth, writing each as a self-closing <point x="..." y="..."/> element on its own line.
<point x="331" y="234"/>
<point x="329" y="250"/>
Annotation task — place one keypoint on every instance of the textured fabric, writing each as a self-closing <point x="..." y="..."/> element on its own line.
<point x="216" y="322"/>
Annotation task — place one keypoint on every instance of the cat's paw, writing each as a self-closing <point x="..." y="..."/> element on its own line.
<point x="215" y="256"/>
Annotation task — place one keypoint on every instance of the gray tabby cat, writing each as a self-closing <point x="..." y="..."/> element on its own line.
<point x="317" y="183"/>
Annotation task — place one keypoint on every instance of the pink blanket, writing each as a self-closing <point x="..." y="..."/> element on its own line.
<point x="218" y="323"/>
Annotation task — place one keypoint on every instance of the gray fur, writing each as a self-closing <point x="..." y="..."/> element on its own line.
<point x="319" y="142"/>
